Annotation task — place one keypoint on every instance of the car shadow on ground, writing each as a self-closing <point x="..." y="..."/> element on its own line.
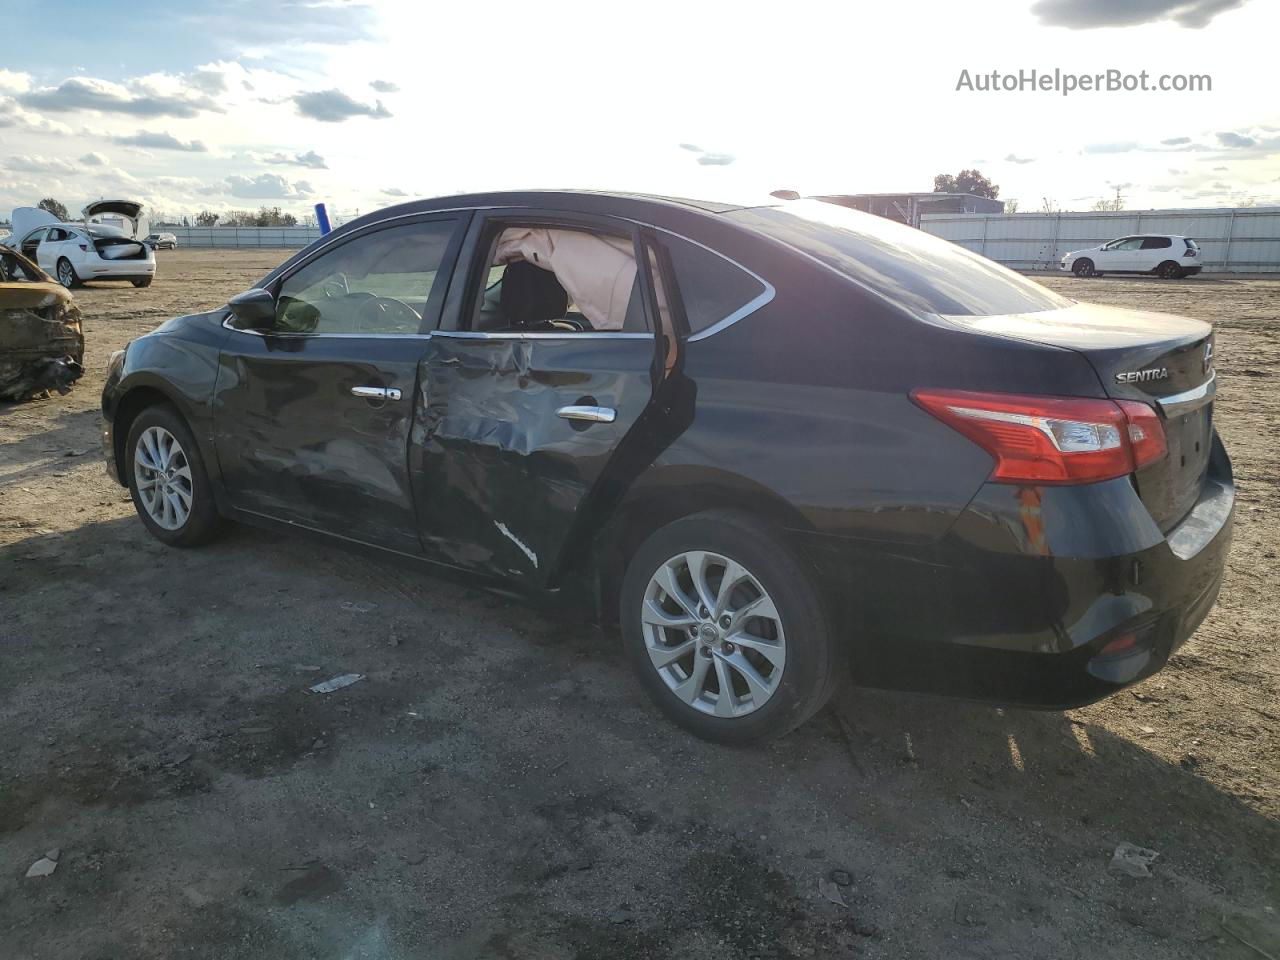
<point x="153" y="696"/>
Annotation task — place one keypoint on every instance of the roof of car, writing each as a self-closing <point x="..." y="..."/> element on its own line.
<point x="520" y="198"/>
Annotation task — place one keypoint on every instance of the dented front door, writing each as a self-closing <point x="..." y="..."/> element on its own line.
<point x="512" y="435"/>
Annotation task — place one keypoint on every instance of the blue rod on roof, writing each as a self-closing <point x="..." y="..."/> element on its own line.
<point x="322" y="218"/>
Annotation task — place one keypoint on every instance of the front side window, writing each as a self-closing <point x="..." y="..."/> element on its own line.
<point x="711" y="288"/>
<point x="1128" y="243"/>
<point x="904" y="265"/>
<point x="376" y="283"/>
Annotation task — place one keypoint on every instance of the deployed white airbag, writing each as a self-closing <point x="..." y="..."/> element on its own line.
<point x="597" y="272"/>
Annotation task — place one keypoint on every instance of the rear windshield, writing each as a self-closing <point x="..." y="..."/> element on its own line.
<point x="906" y="265"/>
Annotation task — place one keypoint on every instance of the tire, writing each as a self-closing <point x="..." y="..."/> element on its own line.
<point x="1083" y="268"/>
<point x="144" y="282"/>
<point x="803" y="671"/>
<point x="67" y="273"/>
<point x="202" y="522"/>
<point x="1169" y="271"/>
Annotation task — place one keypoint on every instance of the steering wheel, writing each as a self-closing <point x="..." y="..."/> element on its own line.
<point x="383" y="314"/>
<point x="335" y="285"/>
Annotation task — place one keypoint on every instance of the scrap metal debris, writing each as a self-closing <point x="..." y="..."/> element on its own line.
<point x="337" y="683"/>
<point x="41" y="340"/>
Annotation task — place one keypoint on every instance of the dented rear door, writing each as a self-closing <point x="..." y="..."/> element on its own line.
<point x="503" y="468"/>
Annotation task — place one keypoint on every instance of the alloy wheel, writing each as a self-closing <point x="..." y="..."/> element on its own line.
<point x="163" y="478"/>
<point x="66" y="275"/>
<point x="713" y="634"/>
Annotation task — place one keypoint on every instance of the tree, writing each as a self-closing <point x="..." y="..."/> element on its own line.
<point x="1117" y="203"/>
<point x="1011" y="206"/>
<point x="206" y="218"/>
<point x="54" y="207"/>
<point x="966" y="181"/>
<point x="1049" y="205"/>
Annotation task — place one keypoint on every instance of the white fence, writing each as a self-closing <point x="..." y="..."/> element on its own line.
<point x="1232" y="240"/>
<point x="242" y="236"/>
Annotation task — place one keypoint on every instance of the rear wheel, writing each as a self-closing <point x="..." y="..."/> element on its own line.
<point x="142" y="282"/>
<point x="167" y="479"/>
<point x="725" y="629"/>
<point x="1169" y="270"/>
<point x="67" y="273"/>
<point x="1083" y="268"/>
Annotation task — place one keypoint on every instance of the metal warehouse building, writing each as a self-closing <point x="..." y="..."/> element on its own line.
<point x="1232" y="239"/>
<point x="910" y="207"/>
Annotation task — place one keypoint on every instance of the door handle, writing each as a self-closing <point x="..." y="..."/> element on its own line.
<point x="589" y="414"/>
<point x="376" y="393"/>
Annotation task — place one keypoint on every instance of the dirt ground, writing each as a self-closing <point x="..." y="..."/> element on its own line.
<point x="499" y="787"/>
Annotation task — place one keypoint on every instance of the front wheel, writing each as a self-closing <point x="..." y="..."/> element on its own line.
<point x="167" y="479"/>
<point x="1083" y="268"/>
<point x="726" y="630"/>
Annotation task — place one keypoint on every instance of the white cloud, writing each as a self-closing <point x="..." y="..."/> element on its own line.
<point x="159" y="141"/>
<point x="37" y="164"/>
<point x="91" y="94"/>
<point x="334" y="106"/>
<point x="92" y="159"/>
<point x="267" y="186"/>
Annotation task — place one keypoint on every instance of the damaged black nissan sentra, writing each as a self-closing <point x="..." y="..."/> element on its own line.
<point x="782" y="445"/>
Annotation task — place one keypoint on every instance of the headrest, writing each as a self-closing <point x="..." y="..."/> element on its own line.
<point x="531" y="295"/>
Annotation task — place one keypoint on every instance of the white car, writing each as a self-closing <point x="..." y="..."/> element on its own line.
<point x="79" y="252"/>
<point x="1162" y="254"/>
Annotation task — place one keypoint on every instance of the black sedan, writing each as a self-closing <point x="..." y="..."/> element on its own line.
<point x="782" y="446"/>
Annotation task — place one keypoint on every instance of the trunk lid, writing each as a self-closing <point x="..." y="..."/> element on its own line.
<point x="115" y="213"/>
<point x="1159" y="359"/>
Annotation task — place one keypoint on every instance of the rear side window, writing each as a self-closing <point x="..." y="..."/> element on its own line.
<point x="1156" y="243"/>
<point x="711" y="288"/>
<point x="905" y="265"/>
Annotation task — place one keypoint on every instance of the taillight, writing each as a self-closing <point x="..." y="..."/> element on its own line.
<point x="83" y="246"/>
<point x="1052" y="440"/>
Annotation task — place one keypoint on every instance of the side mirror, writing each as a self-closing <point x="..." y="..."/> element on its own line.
<point x="254" y="309"/>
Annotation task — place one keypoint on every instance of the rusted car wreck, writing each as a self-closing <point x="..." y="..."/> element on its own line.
<point x="41" y="341"/>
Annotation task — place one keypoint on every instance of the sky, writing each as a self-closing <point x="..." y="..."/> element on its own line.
<point x="234" y="104"/>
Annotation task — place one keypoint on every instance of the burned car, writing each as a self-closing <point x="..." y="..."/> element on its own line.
<point x="41" y="342"/>
<point x="782" y="445"/>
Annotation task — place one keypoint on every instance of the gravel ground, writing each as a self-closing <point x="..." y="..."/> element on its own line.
<point x="499" y="787"/>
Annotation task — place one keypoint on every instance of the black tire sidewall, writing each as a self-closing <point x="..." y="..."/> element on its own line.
<point x="813" y="668"/>
<point x="203" y="521"/>
<point x="1083" y="268"/>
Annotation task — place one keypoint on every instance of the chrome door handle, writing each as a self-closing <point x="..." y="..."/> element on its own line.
<point x="376" y="393"/>
<point x="589" y="414"/>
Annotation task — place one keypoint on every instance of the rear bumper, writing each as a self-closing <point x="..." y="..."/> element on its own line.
<point x="1048" y="597"/>
<point x="1190" y="271"/>
<point x="99" y="269"/>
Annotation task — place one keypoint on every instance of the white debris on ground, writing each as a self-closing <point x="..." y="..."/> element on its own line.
<point x="337" y="683"/>
<point x="1132" y="860"/>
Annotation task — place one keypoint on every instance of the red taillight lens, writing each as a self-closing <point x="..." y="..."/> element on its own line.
<point x="1052" y="440"/>
<point x="83" y="246"/>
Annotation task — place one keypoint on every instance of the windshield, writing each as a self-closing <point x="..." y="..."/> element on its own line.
<point x="906" y="265"/>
